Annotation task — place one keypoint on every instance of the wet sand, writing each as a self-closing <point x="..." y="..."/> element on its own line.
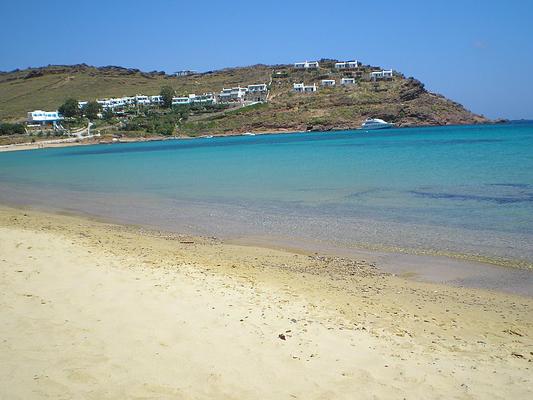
<point x="96" y="310"/>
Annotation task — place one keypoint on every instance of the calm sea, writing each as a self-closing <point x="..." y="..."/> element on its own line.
<point x="450" y="189"/>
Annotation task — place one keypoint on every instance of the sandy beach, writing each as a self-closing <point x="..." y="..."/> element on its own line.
<point x="93" y="310"/>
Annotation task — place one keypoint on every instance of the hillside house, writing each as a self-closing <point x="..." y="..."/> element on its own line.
<point x="383" y="74"/>
<point x="306" y="65"/>
<point x="206" y="98"/>
<point x="178" y="101"/>
<point x="44" y="117"/>
<point x="298" y="87"/>
<point x="310" y="88"/>
<point x="142" y="99"/>
<point x="257" y="92"/>
<point x="105" y="103"/>
<point x="348" y="81"/>
<point x="129" y="100"/>
<point x="156" y="99"/>
<point x="184" y="72"/>
<point x="117" y="103"/>
<point x="327" y="82"/>
<point x="260" y="87"/>
<point x="346" y="65"/>
<point x="232" y="94"/>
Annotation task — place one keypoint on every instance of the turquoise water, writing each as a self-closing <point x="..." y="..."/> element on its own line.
<point x="461" y="189"/>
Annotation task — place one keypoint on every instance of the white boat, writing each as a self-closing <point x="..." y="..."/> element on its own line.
<point x="248" y="134"/>
<point x="376" y="123"/>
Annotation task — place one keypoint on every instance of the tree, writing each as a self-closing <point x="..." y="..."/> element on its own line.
<point x="92" y="109"/>
<point x="69" y="108"/>
<point x="11" y="129"/>
<point x="108" y="114"/>
<point x="166" y="95"/>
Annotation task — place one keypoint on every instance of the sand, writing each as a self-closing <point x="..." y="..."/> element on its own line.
<point x="92" y="310"/>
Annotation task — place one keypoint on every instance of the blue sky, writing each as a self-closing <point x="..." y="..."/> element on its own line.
<point x="479" y="53"/>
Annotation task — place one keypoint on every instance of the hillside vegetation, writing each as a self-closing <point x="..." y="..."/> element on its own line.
<point x="403" y="101"/>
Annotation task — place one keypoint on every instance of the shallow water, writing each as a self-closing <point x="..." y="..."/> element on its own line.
<point x="447" y="189"/>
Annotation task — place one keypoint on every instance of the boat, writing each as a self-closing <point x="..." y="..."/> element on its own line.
<point x="375" y="123"/>
<point x="248" y="134"/>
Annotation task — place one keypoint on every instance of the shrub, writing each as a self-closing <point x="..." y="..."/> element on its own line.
<point x="11" y="129"/>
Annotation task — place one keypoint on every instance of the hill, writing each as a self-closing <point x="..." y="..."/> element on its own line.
<point x="401" y="100"/>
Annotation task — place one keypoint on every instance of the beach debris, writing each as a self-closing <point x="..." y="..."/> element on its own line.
<point x="282" y="336"/>
<point x="186" y="242"/>
<point x="511" y="332"/>
<point x="517" y="355"/>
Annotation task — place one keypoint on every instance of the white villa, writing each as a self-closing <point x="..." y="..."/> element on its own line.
<point x="346" y="65"/>
<point x="348" y="81"/>
<point x="129" y="100"/>
<point x="327" y="82"/>
<point x="105" y="103"/>
<point x="306" y="65"/>
<point x="44" y="117"/>
<point x="82" y="104"/>
<point x="261" y="87"/>
<point x="298" y="87"/>
<point x="208" y="98"/>
<point x="142" y="99"/>
<point x="184" y="72"/>
<point x="302" y="88"/>
<point x="384" y="74"/>
<point x="156" y="99"/>
<point x="232" y="94"/>
<point x="176" y="101"/>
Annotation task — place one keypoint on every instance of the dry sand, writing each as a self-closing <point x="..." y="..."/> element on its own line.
<point x="91" y="310"/>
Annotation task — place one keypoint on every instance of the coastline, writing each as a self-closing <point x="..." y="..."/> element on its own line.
<point x="149" y="313"/>
<point x="77" y="142"/>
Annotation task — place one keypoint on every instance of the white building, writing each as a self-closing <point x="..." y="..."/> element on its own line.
<point x="310" y="88"/>
<point x="105" y="103"/>
<point x="348" y="81"/>
<point x="261" y="87"/>
<point x="346" y="65"/>
<point x="118" y="102"/>
<point x="156" y="99"/>
<point x="177" y="101"/>
<point x="142" y="99"/>
<point x="298" y="87"/>
<point x="184" y="72"/>
<point x="327" y="82"/>
<point x="82" y="104"/>
<point x="232" y="94"/>
<point x="44" y="117"/>
<point x="206" y="98"/>
<point x="306" y="65"/>
<point x="129" y="100"/>
<point x="383" y="74"/>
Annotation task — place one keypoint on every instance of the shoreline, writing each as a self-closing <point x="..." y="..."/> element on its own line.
<point x="103" y="310"/>
<point x="77" y="142"/>
<point x="430" y="266"/>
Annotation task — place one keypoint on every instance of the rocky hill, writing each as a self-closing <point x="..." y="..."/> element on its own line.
<point x="401" y="100"/>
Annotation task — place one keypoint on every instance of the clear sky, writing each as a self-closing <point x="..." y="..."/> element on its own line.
<point x="479" y="53"/>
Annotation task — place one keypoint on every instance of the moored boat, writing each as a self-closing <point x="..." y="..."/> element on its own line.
<point x="375" y="123"/>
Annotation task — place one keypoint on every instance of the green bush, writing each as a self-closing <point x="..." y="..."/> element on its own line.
<point x="11" y="129"/>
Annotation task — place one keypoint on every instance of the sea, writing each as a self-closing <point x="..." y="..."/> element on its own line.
<point x="463" y="191"/>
